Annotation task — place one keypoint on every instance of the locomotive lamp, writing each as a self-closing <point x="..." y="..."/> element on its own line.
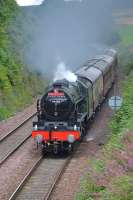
<point x="75" y="127"/>
<point x="35" y="127"/>
<point x="71" y="138"/>
<point x="38" y="139"/>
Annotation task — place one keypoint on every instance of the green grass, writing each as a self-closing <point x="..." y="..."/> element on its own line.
<point x="110" y="175"/>
<point x="126" y="34"/>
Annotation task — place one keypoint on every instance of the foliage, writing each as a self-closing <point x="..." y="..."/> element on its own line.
<point x="126" y="58"/>
<point x="18" y="86"/>
<point x="125" y="32"/>
<point x="113" y="38"/>
<point x="125" y="115"/>
<point x="110" y="173"/>
<point x="98" y="165"/>
<point x="114" y="181"/>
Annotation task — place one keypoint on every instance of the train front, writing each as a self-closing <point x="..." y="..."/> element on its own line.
<point x="57" y="128"/>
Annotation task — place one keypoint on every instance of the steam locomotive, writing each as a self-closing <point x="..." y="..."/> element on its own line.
<point x="66" y="107"/>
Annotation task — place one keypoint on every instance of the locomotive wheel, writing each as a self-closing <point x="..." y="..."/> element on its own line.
<point x="86" y="121"/>
<point x="82" y="130"/>
<point x="69" y="150"/>
<point x="93" y="116"/>
<point x="55" y="150"/>
<point x="44" y="151"/>
<point x="99" y="107"/>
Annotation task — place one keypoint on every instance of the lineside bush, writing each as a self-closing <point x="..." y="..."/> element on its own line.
<point x="18" y="86"/>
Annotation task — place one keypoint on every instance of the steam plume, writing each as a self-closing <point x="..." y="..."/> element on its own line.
<point x="63" y="73"/>
<point x="29" y="2"/>
<point x="67" y="29"/>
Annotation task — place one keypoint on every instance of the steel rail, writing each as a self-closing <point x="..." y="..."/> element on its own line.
<point x="28" y="175"/>
<point x="57" y="179"/>
<point x="11" y="152"/>
<point x="19" y="126"/>
<point x="20" y="143"/>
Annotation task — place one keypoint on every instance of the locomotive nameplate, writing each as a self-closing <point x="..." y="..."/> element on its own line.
<point x="56" y="93"/>
<point x="56" y="99"/>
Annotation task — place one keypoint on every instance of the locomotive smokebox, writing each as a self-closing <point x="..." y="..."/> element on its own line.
<point x="57" y="104"/>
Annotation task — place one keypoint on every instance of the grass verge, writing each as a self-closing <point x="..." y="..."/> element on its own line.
<point x="111" y="171"/>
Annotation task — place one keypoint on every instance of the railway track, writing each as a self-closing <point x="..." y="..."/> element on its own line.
<point x="41" y="180"/>
<point x="14" y="139"/>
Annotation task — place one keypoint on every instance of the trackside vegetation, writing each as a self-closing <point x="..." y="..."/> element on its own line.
<point x="18" y="85"/>
<point x="111" y="171"/>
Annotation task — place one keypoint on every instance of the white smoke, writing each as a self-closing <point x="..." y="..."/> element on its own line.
<point x="73" y="0"/>
<point x="29" y="2"/>
<point x="35" y="2"/>
<point x="63" y="73"/>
